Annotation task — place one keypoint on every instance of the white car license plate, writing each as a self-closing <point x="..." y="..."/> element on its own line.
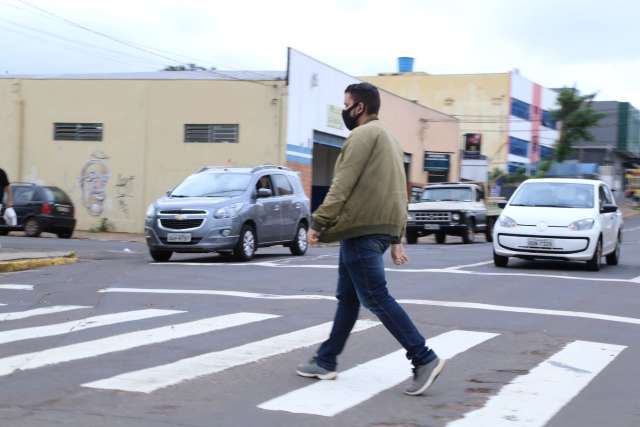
<point x="178" y="237"/>
<point x="540" y="243"/>
<point x="431" y="227"/>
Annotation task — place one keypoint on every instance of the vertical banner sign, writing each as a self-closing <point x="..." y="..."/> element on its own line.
<point x="472" y="145"/>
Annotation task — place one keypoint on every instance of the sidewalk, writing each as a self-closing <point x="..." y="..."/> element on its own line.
<point x="15" y="260"/>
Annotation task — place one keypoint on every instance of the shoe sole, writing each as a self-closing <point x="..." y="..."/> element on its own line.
<point x="432" y="378"/>
<point x="328" y="376"/>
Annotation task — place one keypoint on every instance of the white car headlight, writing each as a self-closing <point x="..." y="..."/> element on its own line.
<point x="583" y="224"/>
<point x="151" y="211"/>
<point x="230" y="211"/>
<point x="507" y="222"/>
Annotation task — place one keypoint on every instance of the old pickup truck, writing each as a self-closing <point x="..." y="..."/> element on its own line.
<point x="453" y="208"/>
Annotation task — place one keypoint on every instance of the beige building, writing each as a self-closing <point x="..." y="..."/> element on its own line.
<point x="117" y="142"/>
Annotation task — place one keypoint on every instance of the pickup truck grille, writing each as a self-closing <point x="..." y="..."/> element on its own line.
<point x="433" y="216"/>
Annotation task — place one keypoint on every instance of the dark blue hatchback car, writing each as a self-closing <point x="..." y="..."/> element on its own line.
<point x="39" y="209"/>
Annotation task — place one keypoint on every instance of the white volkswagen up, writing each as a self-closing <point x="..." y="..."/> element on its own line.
<point x="564" y="219"/>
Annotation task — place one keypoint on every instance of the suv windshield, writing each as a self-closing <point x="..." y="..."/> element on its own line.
<point x="209" y="184"/>
<point x="555" y="195"/>
<point x="447" y="194"/>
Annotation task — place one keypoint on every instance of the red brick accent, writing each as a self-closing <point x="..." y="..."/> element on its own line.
<point x="306" y="175"/>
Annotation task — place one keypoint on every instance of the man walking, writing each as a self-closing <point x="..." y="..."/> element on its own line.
<point x="5" y="189"/>
<point x="366" y="210"/>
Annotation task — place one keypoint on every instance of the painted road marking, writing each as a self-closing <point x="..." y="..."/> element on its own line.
<point x="625" y="230"/>
<point x="435" y="303"/>
<point x="356" y="385"/>
<point x="531" y="400"/>
<point x="39" y="312"/>
<point x="477" y="264"/>
<point x="80" y="325"/>
<point x="126" y="341"/>
<point x="17" y="287"/>
<point x="448" y="270"/>
<point x="152" y="379"/>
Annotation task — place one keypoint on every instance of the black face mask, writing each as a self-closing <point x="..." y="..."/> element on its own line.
<point x="350" y="122"/>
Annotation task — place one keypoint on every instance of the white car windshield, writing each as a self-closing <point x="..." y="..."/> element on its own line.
<point x="554" y="195"/>
<point x="447" y="194"/>
<point x="209" y="184"/>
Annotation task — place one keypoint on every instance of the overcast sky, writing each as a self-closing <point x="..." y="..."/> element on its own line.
<point x="591" y="43"/>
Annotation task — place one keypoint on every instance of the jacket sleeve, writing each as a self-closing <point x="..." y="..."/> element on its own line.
<point x="349" y="167"/>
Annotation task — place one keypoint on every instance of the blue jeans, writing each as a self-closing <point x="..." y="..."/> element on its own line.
<point x="361" y="279"/>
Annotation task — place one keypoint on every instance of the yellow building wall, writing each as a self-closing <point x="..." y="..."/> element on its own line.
<point x="10" y="125"/>
<point x="143" y="153"/>
<point x="481" y="102"/>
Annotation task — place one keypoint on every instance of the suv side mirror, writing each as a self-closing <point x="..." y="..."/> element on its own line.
<point x="264" y="192"/>
<point x="608" y="209"/>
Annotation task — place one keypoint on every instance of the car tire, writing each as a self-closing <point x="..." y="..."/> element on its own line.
<point x="247" y="243"/>
<point x="614" y="257"/>
<point x="488" y="233"/>
<point x="595" y="263"/>
<point x="469" y="234"/>
<point x="300" y="244"/>
<point x="32" y="228"/>
<point x="160" y="255"/>
<point x="499" y="260"/>
<point x="65" y="234"/>
<point x="441" y="238"/>
<point x="412" y="237"/>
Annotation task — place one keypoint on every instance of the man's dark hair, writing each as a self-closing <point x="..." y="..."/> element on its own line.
<point x="367" y="94"/>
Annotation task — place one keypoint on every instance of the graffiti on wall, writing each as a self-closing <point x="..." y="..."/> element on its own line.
<point x="93" y="180"/>
<point x="124" y="190"/>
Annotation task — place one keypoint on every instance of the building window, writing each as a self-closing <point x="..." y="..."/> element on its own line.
<point x="213" y="133"/>
<point x="518" y="147"/>
<point x="515" y="167"/>
<point x="548" y="120"/>
<point x="77" y="131"/>
<point x="520" y="109"/>
<point x="546" y="153"/>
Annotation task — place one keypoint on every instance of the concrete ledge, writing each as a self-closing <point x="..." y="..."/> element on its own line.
<point x="28" y="264"/>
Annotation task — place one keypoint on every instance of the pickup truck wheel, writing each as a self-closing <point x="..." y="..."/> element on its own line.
<point x="412" y="237"/>
<point x="441" y="238"/>
<point x="469" y="234"/>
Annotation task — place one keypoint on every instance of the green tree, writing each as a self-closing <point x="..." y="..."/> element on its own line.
<point x="187" y="67"/>
<point x="576" y="116"/>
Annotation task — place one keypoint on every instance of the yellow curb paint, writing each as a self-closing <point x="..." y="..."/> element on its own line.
<point x="28" y="264"/>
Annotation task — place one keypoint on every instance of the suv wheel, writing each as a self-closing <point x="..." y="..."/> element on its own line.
<point x="441" y="238"/>
<point x="160" y="255"/>
<point x="300" y="244"/>
<point x="32" y="228"/>
<point x="614" y="257"/>
<point x="412" y="237"/>
<point x="595" y="263"/>
<point x="469" y="234"/>
<point x="246" y="247"/>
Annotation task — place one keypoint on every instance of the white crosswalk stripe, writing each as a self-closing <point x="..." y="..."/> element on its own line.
<point x="148" y="380"/>
<point x="531" y="400"/>
<point x="126" y="341"/>
<point x="80" y="325"/>
<point x="354" y="386"/>
<point x="16" y="287"/>
<point x="39" y="312"/>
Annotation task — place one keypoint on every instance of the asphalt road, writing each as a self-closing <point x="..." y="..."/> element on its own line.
<point x="119" y="340"/>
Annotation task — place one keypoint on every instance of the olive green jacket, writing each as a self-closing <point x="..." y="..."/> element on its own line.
<point x="368" y="194"/>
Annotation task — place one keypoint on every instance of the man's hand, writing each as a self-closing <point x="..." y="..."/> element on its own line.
<point x="313" y="236"/>
<point x="397" y="254"/>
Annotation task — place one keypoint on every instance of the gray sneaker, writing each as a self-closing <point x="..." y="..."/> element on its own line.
<point x="313" y="370"/>
<point x="424" y="376"/>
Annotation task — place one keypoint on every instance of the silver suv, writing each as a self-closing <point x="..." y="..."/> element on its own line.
<point x="232" y="211"/>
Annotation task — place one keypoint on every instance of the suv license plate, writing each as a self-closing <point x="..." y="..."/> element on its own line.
<point x="431" y="227"/>
<point x="540" y="243"/>
<point x="178" y="237"/>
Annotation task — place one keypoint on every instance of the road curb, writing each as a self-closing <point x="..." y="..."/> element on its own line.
<point x="28" y="264"/>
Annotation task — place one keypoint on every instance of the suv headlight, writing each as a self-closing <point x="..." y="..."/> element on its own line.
<point x="151" y="211"/>
<point x="507" y="222"/>
<point x="455" y="217"/>
<point x="230" y="211"/>
<point x="411" y="216"/>
<point x="583" y="224"/>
